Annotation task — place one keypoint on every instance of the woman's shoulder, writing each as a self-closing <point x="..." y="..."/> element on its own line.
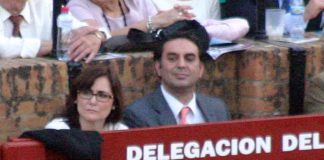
<point x="57" y="123"/>
<point x="117" y="126"/>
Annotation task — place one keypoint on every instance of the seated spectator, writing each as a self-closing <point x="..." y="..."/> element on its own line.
<point x="26" y="31"/>
<point x="118" y="16"/>
<point x="313" y="14"/>
<point x="25" y="28"/>
<point x="314" y="97"/>
<point x="94" y="104"/>
<point x="179" y="64"/>
<point x="207" y="12"/>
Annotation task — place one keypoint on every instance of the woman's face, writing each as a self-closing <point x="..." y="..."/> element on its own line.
<point x="95" y="105"/>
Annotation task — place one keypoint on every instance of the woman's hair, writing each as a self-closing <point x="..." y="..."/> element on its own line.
<point x="84" y="82"/>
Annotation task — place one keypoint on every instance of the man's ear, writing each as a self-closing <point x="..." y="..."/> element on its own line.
<point x="157" y="65"/>
<point x="201" y="69"/>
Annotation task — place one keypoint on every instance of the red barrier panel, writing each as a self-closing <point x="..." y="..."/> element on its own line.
<point x="26" y="149"/>
<point x="289" y="138"/>
<point x="1" y="151"/>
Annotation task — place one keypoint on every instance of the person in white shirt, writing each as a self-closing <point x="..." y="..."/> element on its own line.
<point x="35" y="35"/>
<point x="94" y="104"/>
<point x="35" y="28"/>
<point x="207" y="12"/>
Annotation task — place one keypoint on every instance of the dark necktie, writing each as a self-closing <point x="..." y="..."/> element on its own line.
<point x="16" y="20"/>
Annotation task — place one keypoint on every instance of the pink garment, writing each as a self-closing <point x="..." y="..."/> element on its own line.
<point x="138" y="10"/>
<point x="228" y="29"/>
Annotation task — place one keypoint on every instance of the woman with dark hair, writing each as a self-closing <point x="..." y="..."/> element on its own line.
<point x="94" y="104"/>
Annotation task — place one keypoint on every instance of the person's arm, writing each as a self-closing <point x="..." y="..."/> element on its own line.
<point x="228" y="29"/>
<point x="45" y="48"/>
<point x="162" y="19"/>
<point x="17" y="47"/>
<point x="85" y="42"/>
<point x="313" y="8"/>
<point x="82" y="12"/>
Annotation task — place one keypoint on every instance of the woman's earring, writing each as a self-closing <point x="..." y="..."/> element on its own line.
<point x="113" y="108"/>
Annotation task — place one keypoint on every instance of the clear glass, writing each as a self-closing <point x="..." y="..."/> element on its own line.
<point x="275" y="22"/>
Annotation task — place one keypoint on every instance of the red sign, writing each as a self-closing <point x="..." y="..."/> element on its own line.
<point x="299" y="137"/>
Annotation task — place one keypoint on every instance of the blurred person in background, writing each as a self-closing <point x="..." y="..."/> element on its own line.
<point x="25" y="28"/>
<point x="118" y="16"/>
<point x="208" y="13"/>
<point x="314" y="15"/>
<point x="26" y="31"/>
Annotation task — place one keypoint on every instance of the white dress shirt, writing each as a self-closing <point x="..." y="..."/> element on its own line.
<point x="194" y="116"/>
<point x="36" y="26"/>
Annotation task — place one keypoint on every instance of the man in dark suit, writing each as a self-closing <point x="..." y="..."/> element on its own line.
<point x="178" y="62"/>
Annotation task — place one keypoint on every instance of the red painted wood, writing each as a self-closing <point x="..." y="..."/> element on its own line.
<point x="1" y="150"/>
<point x="115" y="143"/>
<point x="27" y="149"/>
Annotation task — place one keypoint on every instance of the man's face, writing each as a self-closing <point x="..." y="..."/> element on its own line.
<point x="180" y="66"/>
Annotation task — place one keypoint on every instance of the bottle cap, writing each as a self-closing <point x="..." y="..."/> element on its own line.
<point x="64" y="9"/>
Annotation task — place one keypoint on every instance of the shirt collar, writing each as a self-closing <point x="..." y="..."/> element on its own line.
<point x="26" y="13"/>
<point x="4" y="14"/>
<point x="176" y="105"/>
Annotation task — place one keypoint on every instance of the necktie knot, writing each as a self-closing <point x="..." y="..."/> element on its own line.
<point x="183" y="115"/>
<point x="16" y="20"/>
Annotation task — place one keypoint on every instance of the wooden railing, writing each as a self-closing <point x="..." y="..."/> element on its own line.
<point x="296" y="137"/>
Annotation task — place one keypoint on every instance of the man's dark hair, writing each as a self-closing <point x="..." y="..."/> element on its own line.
<point x="195" y="33"/>
<point x="84" y="82"/>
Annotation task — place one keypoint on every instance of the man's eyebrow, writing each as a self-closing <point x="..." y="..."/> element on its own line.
<point x="171" y="53"/>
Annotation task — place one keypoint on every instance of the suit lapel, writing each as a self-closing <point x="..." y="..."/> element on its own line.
<point x="206" y="109"/>
<point x="161" y="107"/>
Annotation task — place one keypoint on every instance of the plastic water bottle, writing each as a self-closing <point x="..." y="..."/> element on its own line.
<point x="297" y="10"/>
<point x="64" y="25"/>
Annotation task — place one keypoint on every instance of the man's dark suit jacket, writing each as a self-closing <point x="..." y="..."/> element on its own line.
<point x="153" y="110"/>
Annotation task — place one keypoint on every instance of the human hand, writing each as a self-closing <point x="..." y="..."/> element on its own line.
<point x="166" y="18"/>
<point x="313" y="8"/>
<point x="45" y="48"/>
<point x="84" y="44"/>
